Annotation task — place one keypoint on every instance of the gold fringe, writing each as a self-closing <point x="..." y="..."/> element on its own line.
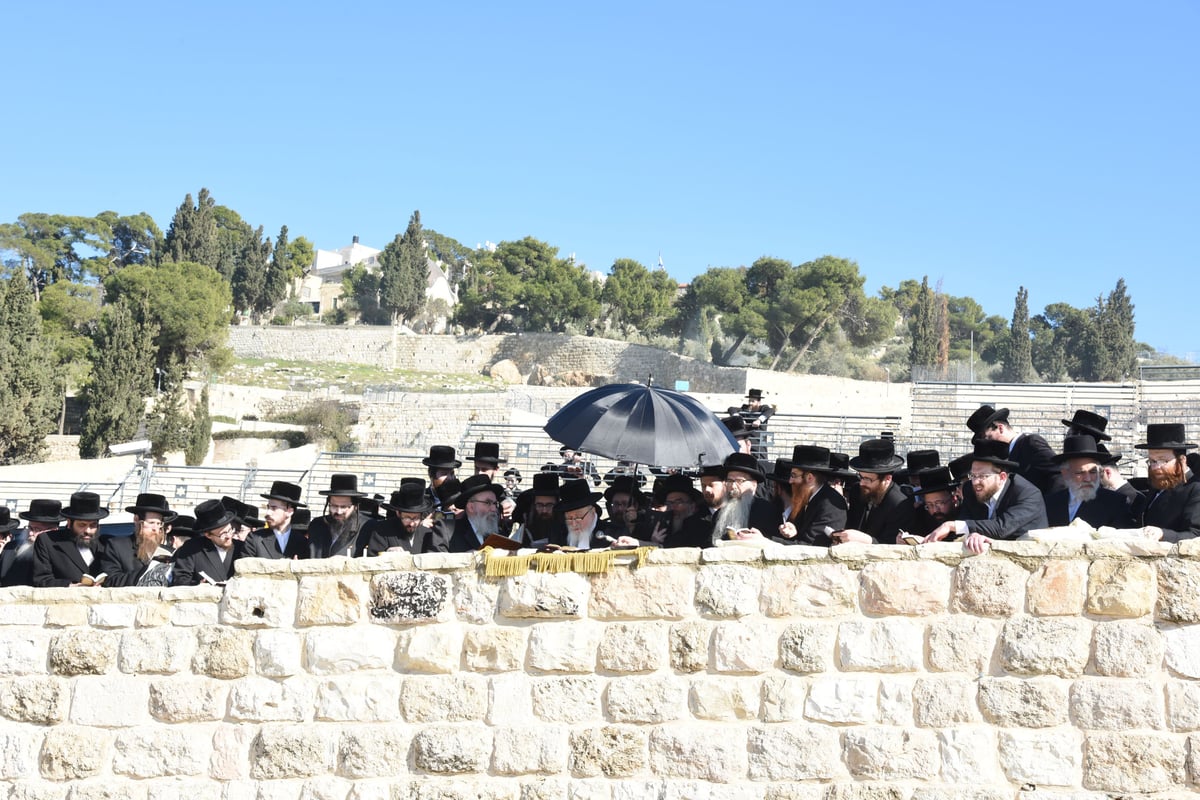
<point x="587" y="562"/>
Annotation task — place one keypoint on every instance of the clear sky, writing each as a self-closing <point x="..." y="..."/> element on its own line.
<point x="986" y="145"/>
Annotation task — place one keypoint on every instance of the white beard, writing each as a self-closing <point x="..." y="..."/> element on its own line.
<point x="484" y="524"/>
<point x="734" y="514"/>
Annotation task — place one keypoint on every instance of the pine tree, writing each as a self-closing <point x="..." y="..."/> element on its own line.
<point x="924" y="331"/>
<point x="170" y="425"/>
<point x="1115" y="329"/>
<point x="278" y="276"/>
<point x="250" y="277"/>
<point x="201" y="432"/>
<point x="1018" y="360"/>
<point x="404" y="273"/>
<point x="122" y="377"/>
<point x="193" y="232"/>
<point x="28" y="400"/>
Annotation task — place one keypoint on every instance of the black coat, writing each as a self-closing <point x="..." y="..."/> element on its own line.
<point x="826" y="509"/>
<point x="1106" y="508"/>
<point x="1021" y="508"/>
<point x="320" y="538"/>
<point x="383" y="534"/>
<point x="1134" y="499"/>
<point x="57" y="562"/>
<point x="118" y="557"/>
<point x="1176" y="511"/>
<point x="884" y="522"/>
<point x="16" y="560"/>
<point x="198" y="555"/>
<point x="262" y="544"/>
<point x="1036" y="463"/>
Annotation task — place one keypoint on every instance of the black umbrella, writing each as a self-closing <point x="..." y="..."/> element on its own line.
<point x="644" y="424"/>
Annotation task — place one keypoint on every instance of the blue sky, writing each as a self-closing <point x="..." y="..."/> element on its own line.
<point x="989" y="146"/>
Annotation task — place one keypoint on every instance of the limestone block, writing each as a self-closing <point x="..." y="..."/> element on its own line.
<point x="652" y="592"/>
<point x="157" y="752"/>
<point x="1133" y="762"/>
<point x="156" y="651"/>
<point x="1121" y="588"/>
<point x="944" y="702"/>
<point x="370" y="790"/>
<point x="843" y="700"/>
<point x="444" y="698"/>
<point x="807" y="647"/>
<point x="1058" y="588"/>
<point x="646" y="698"/>
<point x="908" y="588"/>
<point x="803" y="791"/>
<point x="452" y="749"/>
<point x="231" y="751"/>
<point x="277" y="653"/>
<point x="560" y="595"/>
<point x="110" y="701"/>
<point x="725" y="698"/>
<point x="1109" y="704"/>
<point x="258" y="603"/>
<point x="614" y="751"/>
<point x="529" y="749"/>
<point x="334" y="600"/>
<point x="1127" y="649"/>
<point x="336" y="651"/>
<point x="1193" y="765"/>
<point x="962" y="644"/>
<point x="1045" y="646"/>
<point x="267" y="700"/>
<point x="42" y="701"/>
<point x="1023" y="703"/>
<point x="564" y="646"/>
<point x="37" y="791"/>
<point x="433" y="648"/>
<point x="688" y="645"/>
<point x="24" y="653"/>
<point x="22" y="614"/>
<point x="83" y="652"/>
<point x="808" y="590"/>
<point x="793" y="753"/>
<point x="112" y="615"/>
<point x="102" y="789"/>
<point x="633" y="647"/>
<point x="567" y="699"/>
<point x="703" y="790"/>
<point x="886" y="645"/>
<point x="692" y="751"/>
<point x="1178" y="591"/>
<point x="1182" y="650"/>
<point x="494" y="649"/>
<point x="191" y="615"/>
<point x="728" y="590"/>
<point x="989" y="587"/>
<point x="326" y="787"/>
<point x="783" y="699"/>
<point x="222" y="652"/>
<point x="291" y="751"/>
<point x="373" y="751"/>
<point x="182" y="789"/>
<point x="70" y="753"/>
<point x="67" y="615"/>
<point x="1043" y="758"/>
<point x="18" y="753"/>
<point x="1183" y="705"/>
<point x="363" y="700"/>
<point x="745" y="646"/>
<point x="896" y="702"/>
<point x="969" y="757"/>
<point x="890" y="754"/>
<point x="188" y="699"/>
<point x="475" y="601"/>
<point x="405" y="598"/>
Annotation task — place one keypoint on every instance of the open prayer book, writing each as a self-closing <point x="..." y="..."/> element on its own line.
<point x="1081" y="531"/>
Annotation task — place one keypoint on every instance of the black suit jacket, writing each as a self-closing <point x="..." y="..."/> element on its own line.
<point x="16" y="560"/>
<point x="383" y="534"/>
<point x="1106" y="508"/>
<point x="57" y="562"/>
<point x="1176" y="511"/>
<point x="1134" y="499"/>
<point x="118" y="557"/>
<point x="884" y="522"/>
<point x="1021" y="508"/>
<point x="262" y="544"/>
<point x="1036" y="463"/>
<point x="197" y="555"/>
<point x="826" y="509"/>
<point x="320" y="538"/>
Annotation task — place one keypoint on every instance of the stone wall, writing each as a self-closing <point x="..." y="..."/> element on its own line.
<point x="1032" y="672"/>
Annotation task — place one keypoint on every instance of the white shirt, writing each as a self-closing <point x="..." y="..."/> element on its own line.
<point x="282" y="539"/>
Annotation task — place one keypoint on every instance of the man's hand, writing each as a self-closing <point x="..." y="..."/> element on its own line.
<point x="787" y="530"/>
<point x="1153" y="533"/>
<point x="747" y="533"/>
<point x="851" y="535"/>
<point x="977" y="542"/>
<point x="940" y="532"/>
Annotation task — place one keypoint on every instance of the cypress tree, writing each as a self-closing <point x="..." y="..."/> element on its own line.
<point x="170" y="426"/>
<point x="275" y="286"/>
<point x="1115" y="331"/>
<point x="404" y="273"/>
<point x="250" y="276"/>
<point x="28" y="400"/>
<point x="201" y="432"/>
<point x="122" y="377"/>
<point x="193" y="232"/>
<point x="924" y="332"/>
<point x="1018" y="361"/>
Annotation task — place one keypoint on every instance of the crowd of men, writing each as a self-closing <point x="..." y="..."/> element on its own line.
<point x="1010" y="483"/>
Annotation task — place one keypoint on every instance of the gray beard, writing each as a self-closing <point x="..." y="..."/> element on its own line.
<point x="484" y="524"/>
<point x="735" y="513"/>
<point x="342" y="533"/>
<point x="1083" y="495"/>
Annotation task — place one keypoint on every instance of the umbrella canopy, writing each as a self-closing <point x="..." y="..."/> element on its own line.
<point x="643" y="424"/>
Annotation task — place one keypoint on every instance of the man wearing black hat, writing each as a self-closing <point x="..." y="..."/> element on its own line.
<point x="487" y="460"/>
<point x="402" y="529"/>
<point x="755" y="413"/>
<point x="278" y="540"/>
<point x="1084" y="498"/>
<point x="878" y="510"/>
<point x="440" y="464"/>
<point x="744" y="515"/>
<point x="583" y="529"/>
<point x="1172" y="511"/>
<point x="740" y="433"/>
<point x="339" y="532"/>
<point x="15" y="542"/>
<point x="16" y="560"/>
<point x="247" y="517"/>
<point x="535" y="516"/>
<point x="1000" y="505"/>
<point x="1033" y="457"/>
<point x="127" y="559"/>
<point x="817" y="508"/>
<point x="1089" y="423"/>
<point x="209" y="556"/>
<point x="63" y="557"/>
<point x="480" y="500"/>
<point x="939" y="499"/>
<point x="623" y="503"/>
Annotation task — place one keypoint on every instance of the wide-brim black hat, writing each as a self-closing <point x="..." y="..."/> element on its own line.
<point x="488" y="453"/>
<point x="85" y="506"/>
<point x="41" y="510"/>
<point x="939" y="480"/>
<point x="7" y="523"/>
<point x="1080" y="446"/>
<point x="811" y="458"/>
<point x="841" y="467"/>
<point x="877" y="456"/>
<point x="682" y="484"/>
<point x="183" y="525"/>
<point x="742" y="462"/>
<point x="994" y="453"/>
<point x="737" y="427"/>
<point x="447" y="492"/>
<point x="984" y="416"/>
<point x="301" y="519"/>
<point x="284" y="492"/>
<point x="410" y="498"/>
<point x="754" y="394"/>
<point x="782" y="473"/>
<point x="150" y="503"/>
<point x="545" y="484"/>
<point x="575" y="494"/>
<point x="342" y="484"/>
<point x="477" y="484"/>
<point x="1165" y="436"/>
<point x="210" y="515"/>
<point x="1089" y="422"/>
<point x="441" y="457"/>
<point x="920" y="460"/>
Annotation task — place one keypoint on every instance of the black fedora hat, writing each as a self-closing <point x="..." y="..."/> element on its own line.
<point x="938" y="479"/>
<point x="488" y="453"/>
<point x="474" y="485"/>
<point x="7" y="523"/>
<point x="994" y="453"/>
<point x="1165" y="436"/>
<point x="246" y="514"/>
<point x="811" y="458"/>
<point x="575" y="494"/>
<point x="1081" y="446"/>
<point x="984" y="416"/>
<point x="85" y="506"/>
<point x="959" y="467"/>
<point x="42" y="510"/>
<point x="1110" y="457"/>
<point x="742" y="462"/>
<point x="1089" y="422"/>
<point x="841" y="467"/>
<point x="210" y="515"/>
<point x="920" y="460"/>
<point x="782" y="472"/>
<point x="183" y="525"/>
<point x="447" y="492"/>
<point x="301" y="519"/>
<point x="410" y="498"/>
<point x="545" y="484"/>
<point x="877" y="456"/>
<point x="737" y="427"/>
<point x="624" y="484"/>
<point x="441" y="456"/>
<point x="151" y="503"/>
<point x="284" y="492"/>
<point x="342" y="484"/>
<point x="755" y="394"/>
<point x="682" y="484"/>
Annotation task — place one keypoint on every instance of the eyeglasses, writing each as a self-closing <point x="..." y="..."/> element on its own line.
<point x="1155" y="463"/>
<point x="739" y="481"/>
<point x="578" y="517"/>
<point x="544" y="506"/>
<point x="679" y="502"/>
<point x="1087" y="473"/>
<point x="938" y="503"/>
<point x="485" y="503"/>
<point x="980" y="476"/>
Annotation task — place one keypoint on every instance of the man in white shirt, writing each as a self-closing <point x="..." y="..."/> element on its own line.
<point x="278" y="540"/>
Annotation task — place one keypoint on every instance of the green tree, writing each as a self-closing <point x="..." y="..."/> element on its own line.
<point x="636" y="297"/>
<point x="170" y="424"/>
<point x="250" y="274"/>
<point x="134" y="239"/>
<point x="452" y="254"/>
<point x="1115" y="327"/>
<point x="360" y="294"/>
<point x="275" y="287"/>
<point x="404" y="273"/>
<point x="192" y="235"/>
<point x="720" y="295"/>
<point x="558" y="293"/>
<point x="232" y="232"/>
<point x="200" y="434"/>
<point x="824" y="293"/>
<point x="122" y="377"/>
<point x="70" y="312"/>
<point x="923" y="326"/>
<point x="55" y="247"/>
<point x="1064" y="345"/>
<point x="489" y="294"/>
<point x="28" y="401"/>
<point x="1018" y="361"/>
<point x="300" y="256"/>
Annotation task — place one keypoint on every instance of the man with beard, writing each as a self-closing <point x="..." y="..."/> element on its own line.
<point x="208" y="557"/>
<point x="755" y="414"/>
<point x="1173" y="507"/>
<point x="279" y="539"/>
<point x="817" y="508"/>
<point x="128" y="559"/>
<point x="939" y="501"/>
<point x="403" y="529"/>
<point x="1033" y="457"/>
<point x="621" y="506"/>
<point x="1084" y="498"/>
<point x="682" y="524"/>
<point x="1112" y="479"/>
<point x="1088" y="422"/>
<point x="712" y="487"/>
<point x="339" y="530"/>
<point x="63" y="557"/>
<point x="584" y="529"/>
<point x="878" y="510"/>
<point x="1000" y="505"/>
<point x="743" y="515"/>
<point x="537" y="523"/>
<point x="16" y="560"/>
<point x="480" y="500"/>
<point x="441" y="465"/>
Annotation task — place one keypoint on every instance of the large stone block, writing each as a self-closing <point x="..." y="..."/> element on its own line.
<point x="693" y="752"/>
<point x="158" y="753"/>
<point x="633" y="647"/>
<point x="222" y="652"/>
<point x="510" y="699"/>
<point x="1058" y="588"/>
<point x="373" y="751"/>
<point x="232" y="745"/>
<point x="337" y="651"/>
<point x="110" y="701"/>
<point x="688" y="644"/>
<point x="567" y="699"/>
<point x="22" y="614"/>
<point x="1133" y="762"/>
<point x="944" y="702"/>
<point x="24" y="653"/>
<point x="156" y="651"/>
<point x="1182" y="650"/>
<point x="475" y="601"/>
<point x="653" y="592"/>
<point x="494" y="649"/>
<point x="18" y="754"/>
<point x="1043" y="758"/>
<point x="896" y="702"/>
<point x="277" y="653"/>
<point x="728" y="590"/>
<point x="363" y="700"/>
<point x="793" y="753"/>
<point x="1127" y="649"/>
<point x="259" y="603"/>
<point x="447" y="749"/>
<point x="564" y="646"/>
<point x="1116" y="704"/>
<point x="188" y="699"/>
<point x="909" y="588"/>
<point x="560" y="595"/>
<point x="886" y="645"/>
<point x="70" y="753"/>
<point x="890" y="754"/>
<point x="1120" y="587"/>
<point x="745" y="646"/>
<point x="434" y="648"/>
<point x="444" y="698"/>
<point x="989" y="587"/>
<point x="266" y="700"/>
<point x="1178" y="590"/>
<point x="529" y="749"/>
<point x="194" y="615"/>
<point x="614" y="751"/>
<point x="405" y="598"/>
<point x="808" y="590"/>
<point x="843" y="700"/>
<point x="807" y="647"/>
<point x="1023" y="703"/>
<point x="725" y="698"/>
<point x="1183" y="705"/>
<point x="322" y="600"/>
<point x="42" y="701"/>
<point x="83" y="652"/>
<point x="112" y="615"/>
<point x="646" y="698"/>
<point x="1050" y="646"/>
<point x="783" y="699"/>
<point x="291" y="751"/>
<point x="969" y="757"/>
<point x="962" y="644"/>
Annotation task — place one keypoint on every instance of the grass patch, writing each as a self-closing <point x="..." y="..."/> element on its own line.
<point x="307" y="376"/>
